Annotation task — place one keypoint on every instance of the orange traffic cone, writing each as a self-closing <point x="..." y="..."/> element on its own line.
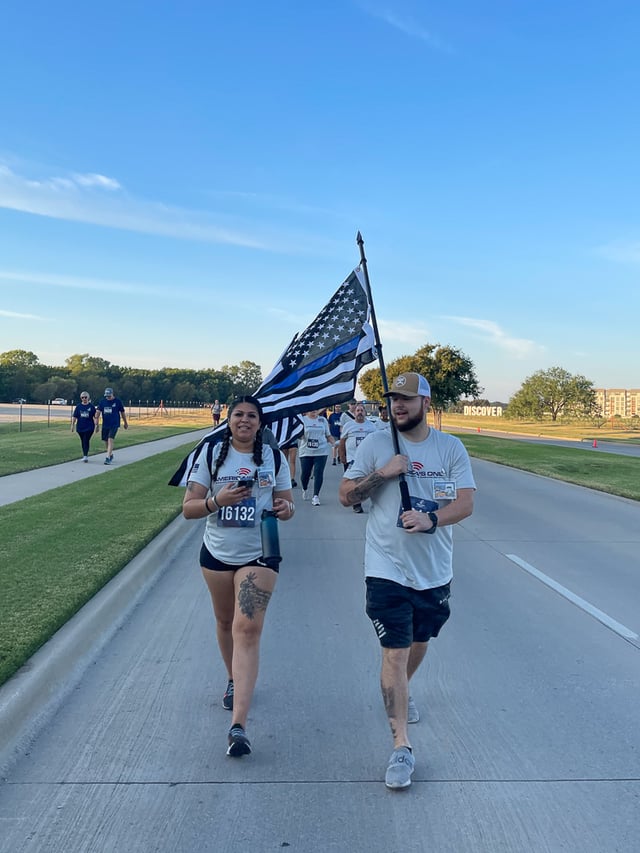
<point x="478" y="429"/>
<point x="595" y="442"/>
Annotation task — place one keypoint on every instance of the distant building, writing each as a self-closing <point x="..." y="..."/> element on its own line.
<point x="618" y="401"/>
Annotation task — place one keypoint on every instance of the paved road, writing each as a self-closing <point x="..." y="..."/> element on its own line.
<point x="529" y="737"/>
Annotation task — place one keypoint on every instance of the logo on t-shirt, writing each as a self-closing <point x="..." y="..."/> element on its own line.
<point x="418" y="470"/>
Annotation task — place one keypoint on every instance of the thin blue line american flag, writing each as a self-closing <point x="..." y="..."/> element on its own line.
<point x="318" y="369"/>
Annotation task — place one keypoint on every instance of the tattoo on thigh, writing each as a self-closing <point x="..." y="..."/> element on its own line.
<point x="251" y="598"/>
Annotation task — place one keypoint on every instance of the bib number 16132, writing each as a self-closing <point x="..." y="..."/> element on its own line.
<point x="238" y="515"/>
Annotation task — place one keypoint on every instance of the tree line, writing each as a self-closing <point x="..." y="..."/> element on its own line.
<point x="547" y="394"/>
<point x="551" y="394"/>
<point x="23" y="376"/>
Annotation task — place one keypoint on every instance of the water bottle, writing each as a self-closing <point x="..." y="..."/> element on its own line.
<point x="270" y="539"/>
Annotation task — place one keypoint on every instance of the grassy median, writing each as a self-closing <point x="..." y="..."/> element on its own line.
<point x="59" y="548"/>
<point x="606" y="472"/>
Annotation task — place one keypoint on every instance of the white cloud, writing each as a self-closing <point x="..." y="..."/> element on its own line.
<point x="405" y="24"/>
<point x="85" y="283"/>
<point x="82" y="198"/>
<point x="15" y="315"/>
<point x="408" y="333"/>
<point x="493" y="334"/>
<point x="92" y="180"/>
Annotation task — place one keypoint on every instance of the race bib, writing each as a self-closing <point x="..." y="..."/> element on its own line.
<point x="238" y="515"/>
<point x="313" y="443"/>
<point x="419" y="504"/>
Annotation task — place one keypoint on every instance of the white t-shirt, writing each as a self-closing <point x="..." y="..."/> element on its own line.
<point x="237" y="545"/>
<point x="416" y="560"/>
<point x="354" y="433"/>
<point x="314" y="441"/>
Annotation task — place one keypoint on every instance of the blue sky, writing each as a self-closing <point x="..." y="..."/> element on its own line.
<point x="181" y="184"/>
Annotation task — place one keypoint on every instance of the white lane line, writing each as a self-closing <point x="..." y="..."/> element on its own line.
<point x="620" y="629"/>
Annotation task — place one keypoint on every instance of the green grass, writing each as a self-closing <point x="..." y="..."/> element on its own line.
<point x="578" y="431"/>
<point x="39" y="446"/>
<point x="59" y="548"/>
<point x="606" y="472"/>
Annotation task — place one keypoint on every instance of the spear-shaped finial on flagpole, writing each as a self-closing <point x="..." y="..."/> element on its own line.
<point x="404" y="488"/>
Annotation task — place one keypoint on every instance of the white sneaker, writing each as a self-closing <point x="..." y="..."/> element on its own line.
<point x="315" y="501"/>
<point x="305" y="494"/>
<point x="401" y="765"/>
<point x="413" y="715"/>
<point x="85" y="458"/>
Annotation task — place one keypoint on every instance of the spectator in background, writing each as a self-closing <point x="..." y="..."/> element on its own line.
<point x="347" y="417"/>
<point x="314" y="450"/>
<point x="334" y="429"/>
<point x="383" y="415"/>
<point x="83" y="422"/>
<point x="216" y="410"/>
<point x="290" y="450"/>
<point x="354" y="432"/>
<point x="111" y="408"/>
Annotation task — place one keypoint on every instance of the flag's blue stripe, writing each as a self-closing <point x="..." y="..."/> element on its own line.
<point x="318" y="365"/>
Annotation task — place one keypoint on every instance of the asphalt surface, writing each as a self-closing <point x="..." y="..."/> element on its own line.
<point x="528" y="739"/>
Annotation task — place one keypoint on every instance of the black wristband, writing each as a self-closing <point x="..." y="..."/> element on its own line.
<point x="434" y="521"/>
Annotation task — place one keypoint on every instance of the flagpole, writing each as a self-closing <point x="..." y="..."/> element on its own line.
<point x="404" y="488"/>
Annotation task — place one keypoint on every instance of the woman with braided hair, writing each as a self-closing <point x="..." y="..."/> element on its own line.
<point x="239" y="580"/>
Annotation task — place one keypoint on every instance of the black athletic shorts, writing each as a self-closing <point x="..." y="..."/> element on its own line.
<point x="402" y="615"/>
<point x="208" y="561"/>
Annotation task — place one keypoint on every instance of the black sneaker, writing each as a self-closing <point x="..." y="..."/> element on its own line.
<point x="227" y="699"/>
<point x="238" y="742"/>
<point x="357" y="508"/>
<point x="293" y="484"/>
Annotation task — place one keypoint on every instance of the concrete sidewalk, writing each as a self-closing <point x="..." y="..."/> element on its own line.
<point x="15" y="487"/>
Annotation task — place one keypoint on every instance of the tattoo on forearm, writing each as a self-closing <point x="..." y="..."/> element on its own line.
<point x="364" y="487"/>
<point x="251" y="598"/>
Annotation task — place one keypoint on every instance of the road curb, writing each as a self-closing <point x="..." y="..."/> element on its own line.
<point x="31" y="696"/>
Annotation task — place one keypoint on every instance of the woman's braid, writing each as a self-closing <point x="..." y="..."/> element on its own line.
<point x="224" y="449"/>
<point x="257" y="449"/>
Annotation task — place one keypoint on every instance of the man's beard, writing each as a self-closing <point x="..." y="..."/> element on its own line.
<point x="410" y="423"/>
